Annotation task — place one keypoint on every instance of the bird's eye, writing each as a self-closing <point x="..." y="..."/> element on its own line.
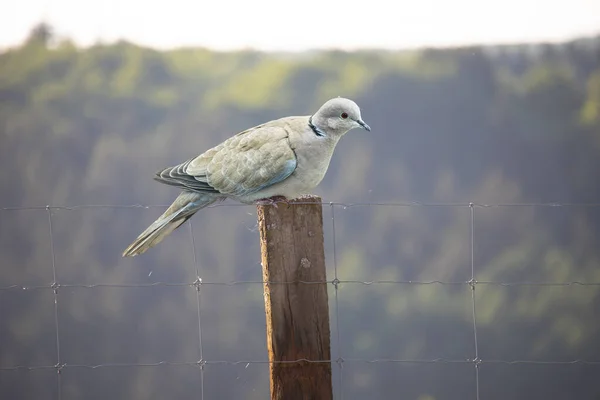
<point x="344" y="115"/>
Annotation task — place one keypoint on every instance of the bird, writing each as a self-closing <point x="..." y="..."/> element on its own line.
<point x="276" y="161"/>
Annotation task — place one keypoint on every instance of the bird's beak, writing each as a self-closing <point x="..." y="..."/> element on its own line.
<point x="364" y="125"/>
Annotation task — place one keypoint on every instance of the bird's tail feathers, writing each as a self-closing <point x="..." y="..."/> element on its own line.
<point x="184" y="206"/>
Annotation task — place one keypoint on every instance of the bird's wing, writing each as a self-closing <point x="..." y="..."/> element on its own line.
<point x="243" y="164"/>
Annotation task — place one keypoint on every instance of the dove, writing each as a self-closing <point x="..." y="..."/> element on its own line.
<point x="279" y="160"/>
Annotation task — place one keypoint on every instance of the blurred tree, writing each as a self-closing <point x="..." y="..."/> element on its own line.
<point x="42" y="34"/>
<point x="511" y="124"/>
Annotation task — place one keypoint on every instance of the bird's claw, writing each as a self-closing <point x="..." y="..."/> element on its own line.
<point x="272" y="201"/>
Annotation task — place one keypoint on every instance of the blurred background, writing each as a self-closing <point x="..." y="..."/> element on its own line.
<point x="493" y="104"/>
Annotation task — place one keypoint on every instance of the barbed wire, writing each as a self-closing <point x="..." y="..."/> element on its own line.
<point x="198" y="286"/>
<point x="198" y="283"/>
<point x="336" y="283"/>
<point x="472" y="284"/>
<point x="55" y="291"/>
<point x="332" y="203"/>
<point x="202" y="363"/>
<point x="256" y="282"/>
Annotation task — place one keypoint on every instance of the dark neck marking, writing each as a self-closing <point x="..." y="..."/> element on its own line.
<point x="316" y="130"/>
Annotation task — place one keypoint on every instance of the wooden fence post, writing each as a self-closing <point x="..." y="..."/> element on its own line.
<point x="291" y="242"/>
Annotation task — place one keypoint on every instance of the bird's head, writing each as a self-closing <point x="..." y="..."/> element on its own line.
<point x="338" y="116"/>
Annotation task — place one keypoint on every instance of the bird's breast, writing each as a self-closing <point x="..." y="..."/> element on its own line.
<point x="313" y="161"/>
<point x="313" y="157"/>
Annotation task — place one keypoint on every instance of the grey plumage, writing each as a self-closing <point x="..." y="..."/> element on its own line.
<point x="287" y="157"/>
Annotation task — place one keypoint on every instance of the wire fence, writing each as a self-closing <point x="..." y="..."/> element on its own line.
<point x="340" y="360"/>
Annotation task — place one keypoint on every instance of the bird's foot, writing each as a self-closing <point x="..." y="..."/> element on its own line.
<point x="272" y="201"/>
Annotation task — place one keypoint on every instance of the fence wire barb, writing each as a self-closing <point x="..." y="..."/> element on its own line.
<point x="336" y="282"/>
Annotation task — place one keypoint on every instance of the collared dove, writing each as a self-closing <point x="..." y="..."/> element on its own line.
<point x="275" y="161"/>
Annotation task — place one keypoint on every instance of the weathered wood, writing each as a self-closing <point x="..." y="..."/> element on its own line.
<point x="291" y="241"/>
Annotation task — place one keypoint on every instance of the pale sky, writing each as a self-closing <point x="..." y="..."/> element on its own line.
<point x="304" y="24"/>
